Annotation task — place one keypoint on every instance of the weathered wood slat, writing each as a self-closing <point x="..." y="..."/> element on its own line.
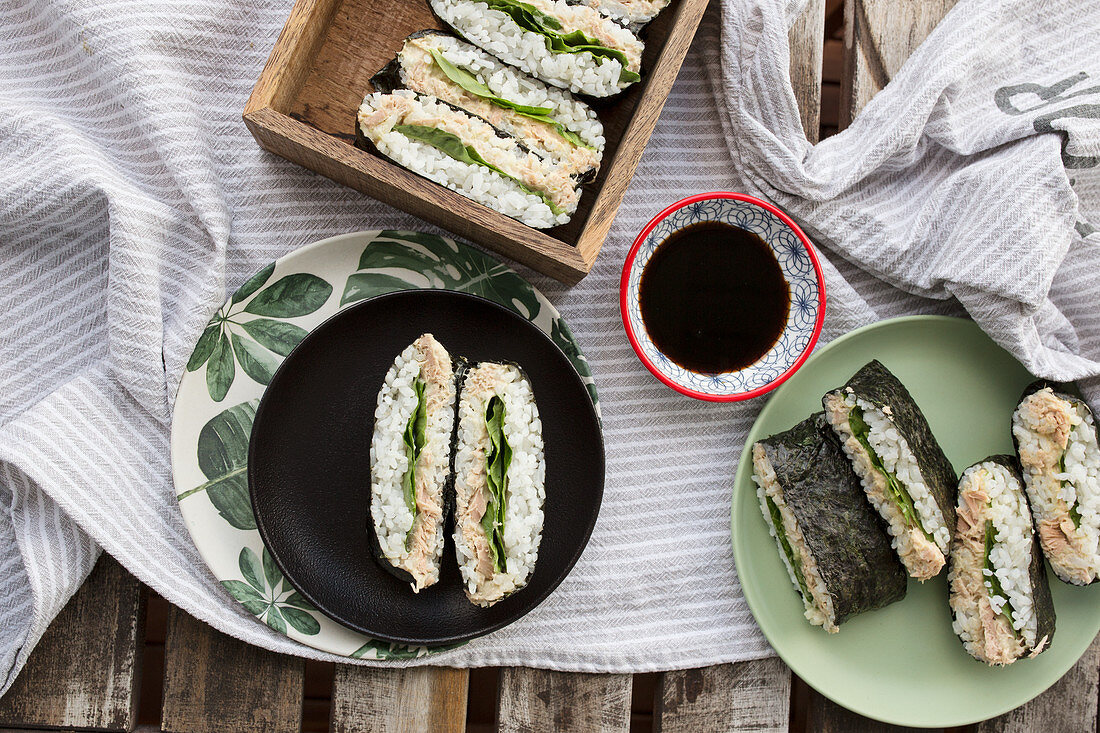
<point x="728" y="697"/>
<point x="826" y="716"/>
<point x="215" y="683"/>
<point x="85" y="669"/>
<point x="536" y="700"/>
<point x="879" y="36"/>
<point x="372" y="700"/>
<point x="1069" y="705"/>
<point x="807" y="37"/>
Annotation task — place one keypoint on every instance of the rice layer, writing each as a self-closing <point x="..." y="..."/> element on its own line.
<point x="525" y="492"/>
<point x="380" y="113"/>
<point x="923" y="558"/>
<point x="629" y="11"/>
<point x="496" y="32"/>
<point x="1057" y="447"/>
<point x="425" y="359"/>
<point x="989" y="492"/>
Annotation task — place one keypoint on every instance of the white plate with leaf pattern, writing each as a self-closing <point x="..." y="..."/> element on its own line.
<point x="236" y="357"/>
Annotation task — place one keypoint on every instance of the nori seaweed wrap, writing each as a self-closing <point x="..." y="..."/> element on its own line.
<point x="1055" y="437"/>
<point x="833" y="544"/>
<point x="905" y="474"/>
<point x="1000" y="600"/>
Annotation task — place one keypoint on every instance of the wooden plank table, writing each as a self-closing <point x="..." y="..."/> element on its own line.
<point x="86" y="672"/>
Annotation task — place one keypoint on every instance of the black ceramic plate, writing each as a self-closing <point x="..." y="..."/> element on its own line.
<point x="309" y="464"/>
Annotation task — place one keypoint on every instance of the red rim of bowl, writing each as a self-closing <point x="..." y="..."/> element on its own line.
<point x="628" y="264"/>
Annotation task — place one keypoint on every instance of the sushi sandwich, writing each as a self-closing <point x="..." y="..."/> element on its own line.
<point x="1055" y="436"/>
<point x="548" y="121"/>
<point x="831" y="541"/>
<point x="410" y="462"/>
<point x="465" y="153"/>
<point x="499" y="482"/>
<point x="1000" y="601"/>
<point x="905" y="473"/>
<point x="570" y="45"/>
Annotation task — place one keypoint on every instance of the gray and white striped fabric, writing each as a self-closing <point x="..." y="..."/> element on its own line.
<point x="131" y="197"/>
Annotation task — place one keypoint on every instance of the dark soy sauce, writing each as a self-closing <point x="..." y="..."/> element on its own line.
<point x="713" y="298"/>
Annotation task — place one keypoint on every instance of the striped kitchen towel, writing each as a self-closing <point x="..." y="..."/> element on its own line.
<point x="132" y="197"/>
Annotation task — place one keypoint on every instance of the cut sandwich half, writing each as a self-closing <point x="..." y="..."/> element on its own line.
<point x="499" y="482"/>
<point x="467" y="154"/>
<point x="829" y="538"/>
<point x="904" y="472"/>
<point x="1055" y="436"/>
<point x="410" y="462"/>
<point x="1000" y="599"/>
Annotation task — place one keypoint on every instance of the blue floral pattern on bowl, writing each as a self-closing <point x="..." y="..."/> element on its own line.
<point x="800" y="268"/>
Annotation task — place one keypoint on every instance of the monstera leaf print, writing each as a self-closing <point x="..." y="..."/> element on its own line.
<point x="563" y="338"/>
<point x="265" y="594"/>
<point x="229" y="340"/>
<point x="384" y="650"/>
<point x="223" y="459"/>
<point x="404" y="260"/>
<point x="409" y="260"/>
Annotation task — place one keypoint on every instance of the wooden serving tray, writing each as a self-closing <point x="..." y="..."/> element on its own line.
<point x="303" y="108"/>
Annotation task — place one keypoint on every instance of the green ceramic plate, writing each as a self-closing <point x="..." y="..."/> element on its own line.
<point x="903" y="664"/>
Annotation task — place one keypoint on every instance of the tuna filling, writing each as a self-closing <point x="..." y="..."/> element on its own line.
<point x="781" y="534"/>
<point x="894" y="488"/>
<point x="452" y="146"/>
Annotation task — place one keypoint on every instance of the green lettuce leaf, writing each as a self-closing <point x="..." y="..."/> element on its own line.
<point x="895" y="489"/>
<point x="526" y="16"/>
<point x="453" y="146"/>
<point x="569" y="135"/>
<point x="469" y="82"/>
<point x="781" y="534"/>
<point x="532" y="19"/>
<point x="497" y="461"/>
<point x="414" y="444"/>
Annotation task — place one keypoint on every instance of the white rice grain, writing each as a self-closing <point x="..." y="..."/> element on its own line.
<point x="497" y="33"/>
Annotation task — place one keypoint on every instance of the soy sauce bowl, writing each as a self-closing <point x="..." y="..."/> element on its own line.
<point x="801" y="272"/>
